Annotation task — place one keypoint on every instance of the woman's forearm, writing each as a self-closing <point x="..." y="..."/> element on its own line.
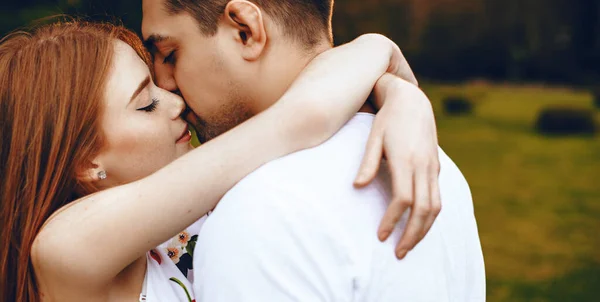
<point x="398" y="67"/>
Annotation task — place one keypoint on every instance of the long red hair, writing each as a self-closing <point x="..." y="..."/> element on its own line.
<point x="52" y="83"/>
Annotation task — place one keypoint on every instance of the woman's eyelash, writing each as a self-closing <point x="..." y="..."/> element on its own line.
<point x="151" y="107"/>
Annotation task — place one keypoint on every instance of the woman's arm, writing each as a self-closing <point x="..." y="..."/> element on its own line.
<point x="95" y="239"/>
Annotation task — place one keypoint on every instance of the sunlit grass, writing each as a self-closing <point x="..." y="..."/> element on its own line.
<point x="537" y="198"/>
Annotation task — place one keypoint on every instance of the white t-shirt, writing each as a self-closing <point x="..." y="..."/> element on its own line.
<point x="297" y="230"/>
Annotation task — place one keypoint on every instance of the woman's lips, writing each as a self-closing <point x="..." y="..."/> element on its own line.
<point x="185" y="137"/>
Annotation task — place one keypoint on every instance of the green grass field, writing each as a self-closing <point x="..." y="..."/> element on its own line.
<point x="537" y="198"/>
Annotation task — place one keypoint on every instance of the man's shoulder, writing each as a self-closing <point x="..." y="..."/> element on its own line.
<point x="338" y="155"/>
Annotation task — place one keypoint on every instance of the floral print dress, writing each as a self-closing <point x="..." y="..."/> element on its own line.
<point x="169" y="274"/>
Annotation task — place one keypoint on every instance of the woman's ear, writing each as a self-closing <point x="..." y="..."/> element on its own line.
<point x="91" y="173"/>
<point x="247" y="19"/>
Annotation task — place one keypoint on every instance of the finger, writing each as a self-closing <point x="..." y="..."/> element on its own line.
<point x="418" y="215"/>
<point x="401" y="200"/>
<point x="436" y="202"/>
<point x="371" y="160"/>
<point x="435" y="195"/>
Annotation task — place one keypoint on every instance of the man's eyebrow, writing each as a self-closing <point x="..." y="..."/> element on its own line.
<point x="152" y="40"/>
<point x="141" y="87"/>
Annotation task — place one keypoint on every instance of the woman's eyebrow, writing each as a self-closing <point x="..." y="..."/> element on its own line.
<point x="141" y="87"/>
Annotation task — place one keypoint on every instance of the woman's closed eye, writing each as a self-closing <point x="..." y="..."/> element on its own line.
<point x="151" y="107"/>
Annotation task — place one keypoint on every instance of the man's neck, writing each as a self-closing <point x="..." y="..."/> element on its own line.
<point x="291" y="61"/>
<point x="282" y="74"/>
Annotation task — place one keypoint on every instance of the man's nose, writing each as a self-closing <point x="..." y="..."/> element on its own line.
<point x="164" y="77"/>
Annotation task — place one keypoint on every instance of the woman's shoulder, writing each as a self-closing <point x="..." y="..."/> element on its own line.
<point x="52" y="250"/>
<point x="63" y="212"/>
<point x="59" y="260"/>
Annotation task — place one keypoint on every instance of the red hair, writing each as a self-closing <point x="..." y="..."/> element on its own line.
<point x="52" y="83"/>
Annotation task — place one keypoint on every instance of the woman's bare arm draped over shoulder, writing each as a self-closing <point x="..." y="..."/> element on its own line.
<point x="94" y="240"/>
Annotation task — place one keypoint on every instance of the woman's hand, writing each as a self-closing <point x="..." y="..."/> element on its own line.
<point x="405" y="131"/>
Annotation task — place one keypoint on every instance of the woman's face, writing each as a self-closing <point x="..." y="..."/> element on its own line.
<point x="142" y="123"/>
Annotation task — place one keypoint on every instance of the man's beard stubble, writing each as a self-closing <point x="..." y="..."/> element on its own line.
<point x="234" y="111"/>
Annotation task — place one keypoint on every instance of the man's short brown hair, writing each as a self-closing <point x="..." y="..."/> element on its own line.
<point x="306" y="21"/>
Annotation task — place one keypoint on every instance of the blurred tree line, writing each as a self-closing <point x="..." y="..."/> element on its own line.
<point x="453" y="40"/>
<point x="549" y="40"/>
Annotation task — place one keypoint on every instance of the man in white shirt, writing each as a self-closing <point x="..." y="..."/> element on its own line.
<point x="297" y="229"/>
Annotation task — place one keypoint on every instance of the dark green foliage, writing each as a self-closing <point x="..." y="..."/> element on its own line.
<point x="566" y="120"/>
<point x="457" y="105"/>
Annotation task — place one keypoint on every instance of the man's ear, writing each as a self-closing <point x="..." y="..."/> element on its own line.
<point x="247" y="19"/>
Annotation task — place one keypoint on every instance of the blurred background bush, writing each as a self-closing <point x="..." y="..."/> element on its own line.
<point x="516" y="89"/>
<point x="457" y="105"/>
<point x="562" y="120"/>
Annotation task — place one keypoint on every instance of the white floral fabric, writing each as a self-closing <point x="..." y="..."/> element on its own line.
<point x="169" y="274"/>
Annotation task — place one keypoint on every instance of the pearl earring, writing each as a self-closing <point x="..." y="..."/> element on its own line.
<point x="102" y="175"/>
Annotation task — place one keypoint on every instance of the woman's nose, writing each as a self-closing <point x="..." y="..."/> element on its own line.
<point x="178" y="106"/>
